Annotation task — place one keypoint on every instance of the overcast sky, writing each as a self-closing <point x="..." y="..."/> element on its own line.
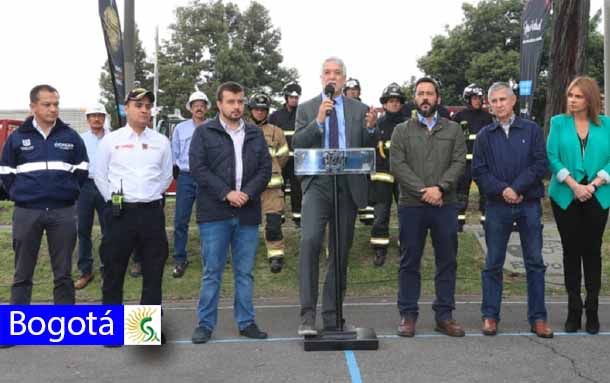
<point x="61" y="43"/>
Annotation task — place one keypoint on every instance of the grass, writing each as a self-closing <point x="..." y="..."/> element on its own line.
<point x="363" y="278"/>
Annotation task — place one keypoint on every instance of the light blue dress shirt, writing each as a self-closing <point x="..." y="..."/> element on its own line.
<point x="424" y="120"/>
<point x="181" y="142"/>
<point x="91" y="143"/>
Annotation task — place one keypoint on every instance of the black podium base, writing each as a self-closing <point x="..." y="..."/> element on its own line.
<point x="355" y="339"/>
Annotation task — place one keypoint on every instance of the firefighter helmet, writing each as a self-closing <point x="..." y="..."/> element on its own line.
<point x="292" y="89"/>
<point x="472" y="90"/>
<point x="351" y="83"/>
<point x="392" y="91"/>
<point x="259" y="101"/>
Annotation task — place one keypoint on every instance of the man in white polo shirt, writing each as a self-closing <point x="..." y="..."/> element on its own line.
<point x="133" y="169"/>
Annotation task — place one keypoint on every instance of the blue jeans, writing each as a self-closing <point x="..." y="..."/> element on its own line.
<point x="89" y="201"/>
<point x="186" y="192"/>
<point x="415" y="221"/>
<point x="499" y="218"/>
<point x="216" y="237"/>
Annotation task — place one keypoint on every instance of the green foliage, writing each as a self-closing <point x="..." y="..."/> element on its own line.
<point x="211" y="42"/>
<point x="485" y="48"/>
<point x="214" y="42"/>
<point x="143" y="75"/>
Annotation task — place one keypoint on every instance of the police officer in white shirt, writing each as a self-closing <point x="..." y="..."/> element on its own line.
<point x="133" y="169"/>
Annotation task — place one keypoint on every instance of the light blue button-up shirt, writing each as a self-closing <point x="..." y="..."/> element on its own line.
<point x="340" y="122"/>
<point x="91" y="143"/>
<point x="181" y="142"/>
<point x="424" y="120"/>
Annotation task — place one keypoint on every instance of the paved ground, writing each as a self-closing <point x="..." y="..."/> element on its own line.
<point x="512" y="356"/>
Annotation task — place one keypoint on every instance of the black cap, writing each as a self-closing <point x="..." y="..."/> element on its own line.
<point x="137" y="94"/>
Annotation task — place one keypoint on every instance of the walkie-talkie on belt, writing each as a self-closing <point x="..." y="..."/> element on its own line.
<point x="117" y="202"/>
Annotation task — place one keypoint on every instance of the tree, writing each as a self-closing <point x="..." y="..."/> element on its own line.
<point x="213" y="42"/>
<point x="143" y="75"/>
<point x="567" y="54"/>
<point x="468" y="53"/>
<point x="485" y="48"/>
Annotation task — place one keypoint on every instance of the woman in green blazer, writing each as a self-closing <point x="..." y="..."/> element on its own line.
<point x="578" y="148"/>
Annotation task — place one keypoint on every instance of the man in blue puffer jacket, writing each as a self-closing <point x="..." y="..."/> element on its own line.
<point x="44" y="163"/>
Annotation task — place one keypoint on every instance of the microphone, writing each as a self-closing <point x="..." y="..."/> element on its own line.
<point x="329" y="91"/>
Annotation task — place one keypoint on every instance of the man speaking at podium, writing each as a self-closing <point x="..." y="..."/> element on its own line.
<point x="329" y="121"/>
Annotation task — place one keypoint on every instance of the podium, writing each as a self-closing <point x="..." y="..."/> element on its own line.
<point x="333" y="163"/>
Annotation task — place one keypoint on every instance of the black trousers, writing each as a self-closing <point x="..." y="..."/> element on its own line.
<point x="141" y="227"/>
<point x="381" y="195"/>
<point x="28" y="228"/>
<point x="581" y="227"/>
<point x="463" y="191"/>
<point x="295" y="186"/>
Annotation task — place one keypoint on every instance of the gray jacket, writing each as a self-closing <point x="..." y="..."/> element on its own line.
<point x="308" y="135"/>
<point x="422" y="158"/>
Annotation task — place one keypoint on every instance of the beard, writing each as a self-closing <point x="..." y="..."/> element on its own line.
<point x="427" y="113"/>
<point x="233" y="117"/>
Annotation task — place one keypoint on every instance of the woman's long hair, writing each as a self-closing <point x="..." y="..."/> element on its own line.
<point x="589" y="88"/>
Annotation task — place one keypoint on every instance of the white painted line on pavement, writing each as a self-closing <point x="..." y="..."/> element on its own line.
<point x="392" y="336"/>
<point x="367" y="304"/>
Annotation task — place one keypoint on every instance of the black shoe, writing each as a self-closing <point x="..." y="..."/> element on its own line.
<point x="379" y="259"/>
<point x="6" y="345"/>
<point x="201" y="335"/>
<point x="573" y="321"/>
<point x="252" y="331"/>
<point x="180" y="269"/>
<point x="276" y="264"/>
<point x="592" y="325"/>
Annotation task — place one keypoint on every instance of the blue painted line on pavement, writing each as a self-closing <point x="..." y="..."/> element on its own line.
<point x="392" y="336"/>
<point x="352" y="366"/>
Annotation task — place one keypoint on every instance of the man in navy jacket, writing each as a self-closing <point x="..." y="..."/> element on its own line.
<point x="44" y="164"/>
<point x="509" y="163"/>
<point x="231" y="165"/>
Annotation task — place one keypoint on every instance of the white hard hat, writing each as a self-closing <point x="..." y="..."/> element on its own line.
<point x="197" y="96"/>
<point x="95" y="109"/>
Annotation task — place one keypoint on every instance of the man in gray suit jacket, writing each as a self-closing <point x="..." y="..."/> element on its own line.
<point x="350" y="124"/>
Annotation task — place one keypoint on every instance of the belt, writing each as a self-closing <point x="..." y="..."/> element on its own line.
<point x="143" y="205"/>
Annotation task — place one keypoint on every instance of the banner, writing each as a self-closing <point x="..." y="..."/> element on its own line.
<point x="51" y="325"/>
<point x="533" y="21"/>
<point x="111" y="26"/>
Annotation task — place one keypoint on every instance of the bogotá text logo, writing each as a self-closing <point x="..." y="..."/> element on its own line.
<point x="142" y="325"/>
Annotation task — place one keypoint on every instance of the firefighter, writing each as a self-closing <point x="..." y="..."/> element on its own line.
<point x="383" y="188"/>
<point x="284" y="118"/>
<point x="352" y="89"/>
<point x="272" y="199"/>
<point x="472" y="120"/>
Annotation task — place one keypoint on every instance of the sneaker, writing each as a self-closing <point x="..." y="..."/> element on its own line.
<point x="201" y="335"/>
<point x="136" y="270"/>
<point x="252" y="331"/>
<point x="180" y="269"/>
<point x="83" y="280"/>
<point x="276" y="264"/>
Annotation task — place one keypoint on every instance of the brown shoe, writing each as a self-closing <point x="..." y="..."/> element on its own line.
<point x="449" y="327"/>
<point x="83" y="281"/>
<point x="406" y="327"/>
<point x="490" y="326"/>
<point x="542" y="329"/>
